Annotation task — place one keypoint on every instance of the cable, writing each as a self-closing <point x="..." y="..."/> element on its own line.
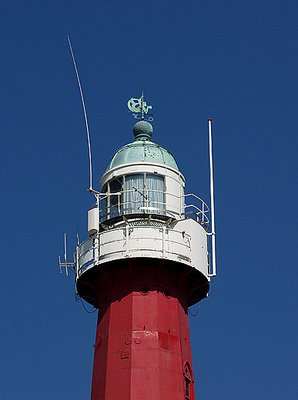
<point x="89" y="312"/>
<point x="195" y="314"/>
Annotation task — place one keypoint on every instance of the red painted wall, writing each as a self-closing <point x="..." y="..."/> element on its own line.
<point x="142" y="346"/>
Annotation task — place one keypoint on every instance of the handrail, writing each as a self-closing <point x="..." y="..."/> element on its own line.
<point x="83" y="261"/>
<point x="151" y="201"/>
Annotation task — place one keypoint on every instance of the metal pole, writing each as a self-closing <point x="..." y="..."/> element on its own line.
<point x="65" y="254"/>
<point x="212" y="199"/>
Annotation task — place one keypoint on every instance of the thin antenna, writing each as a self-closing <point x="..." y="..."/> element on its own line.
<point x="65" y="254"/>
<point x="142" y="104"/>
<point x="65" y="247"/>
<point x="212" y="199"/>
<point x="65" y="264"/>
<point x="85" y="115"/>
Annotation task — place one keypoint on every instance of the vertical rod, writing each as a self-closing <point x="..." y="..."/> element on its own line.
<point x="203" y="212"/>
<point x="142" y="105"/>
<point x="64" y="245"/>
<point x="212" y="198"/>
<point x="77" y="269"/>
<point x="65" y="254"/>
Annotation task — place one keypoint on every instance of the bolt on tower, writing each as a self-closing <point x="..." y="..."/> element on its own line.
<point x="144" y="263"/>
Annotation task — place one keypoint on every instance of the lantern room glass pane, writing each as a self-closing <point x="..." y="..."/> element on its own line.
<point x="115" y="197"/>
<point x="134" y="196"/>
<point x="155" y="193"/>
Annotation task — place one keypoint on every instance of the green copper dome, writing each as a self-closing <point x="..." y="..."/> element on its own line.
<point x="142" y="149"/>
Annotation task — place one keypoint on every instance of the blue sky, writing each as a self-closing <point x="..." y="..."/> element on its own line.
<point x="235" y="61"/>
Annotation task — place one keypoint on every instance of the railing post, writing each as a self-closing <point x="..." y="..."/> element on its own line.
<point x="212" y="199"/>
<point x="203" y="212"/>
<point x="119" y="206"/>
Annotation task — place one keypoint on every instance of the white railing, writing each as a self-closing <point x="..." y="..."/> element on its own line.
<point x="134" y="201"/>
<point x="196" y="208"/>
<point x="92" y="250"/>
<point x="85" y="255"/>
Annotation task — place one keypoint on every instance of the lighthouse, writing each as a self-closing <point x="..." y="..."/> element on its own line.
<point x="145" y="261"/>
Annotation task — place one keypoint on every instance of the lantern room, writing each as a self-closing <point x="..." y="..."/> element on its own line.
<point x="142" y="178"/>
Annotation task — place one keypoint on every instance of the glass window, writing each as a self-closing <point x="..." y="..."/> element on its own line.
<point x="110" y="204"/>
<point x="187" y="382"/>
<point x="115" y="186"/>
<point x="134" y="195"/>
<point x="187" y="388"/>
<point x="155" y="193"/>
<point x="144" y="193"/>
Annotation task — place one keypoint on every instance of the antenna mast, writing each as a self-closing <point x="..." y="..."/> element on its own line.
<point x="85" y="115"/>
<point x="142" y="104"/>
<point x="66" y="264"/>
<point x="212" y="199"/>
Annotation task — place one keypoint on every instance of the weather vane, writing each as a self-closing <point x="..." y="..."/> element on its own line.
<point x="139" y="108"/>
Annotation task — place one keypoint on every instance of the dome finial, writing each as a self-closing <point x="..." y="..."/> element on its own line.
<point x="143" y="130"/>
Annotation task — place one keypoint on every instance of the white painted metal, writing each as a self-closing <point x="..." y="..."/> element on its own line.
<point x="93" y="221"/>
<point x="213" y="272"/>
<point x="185" y="242"/>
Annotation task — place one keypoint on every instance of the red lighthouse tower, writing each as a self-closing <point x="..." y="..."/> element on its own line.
<point x="144" y="263"/>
